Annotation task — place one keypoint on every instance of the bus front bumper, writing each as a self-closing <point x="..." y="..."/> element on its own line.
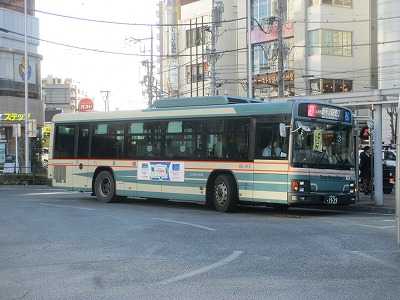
<point x="321" y="199"/>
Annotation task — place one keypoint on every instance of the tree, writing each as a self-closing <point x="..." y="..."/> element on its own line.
<point x="393" y="118"/>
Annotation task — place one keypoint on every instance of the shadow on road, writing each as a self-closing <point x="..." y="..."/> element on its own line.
<point x="242" y="209"/>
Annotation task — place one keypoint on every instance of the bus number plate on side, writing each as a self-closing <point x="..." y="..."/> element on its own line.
<point x="331" y="200"/>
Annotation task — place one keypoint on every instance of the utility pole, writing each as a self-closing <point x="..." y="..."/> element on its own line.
<point x="190" y="57"/>
<point x="106" y="95"/>
<point x="213" y="49"/>
<point x="161" y="41"/>
<point x="280" y="21"/>
<point x="249" y="54"/>
<point x="26" y="71"/>
<point x="151" y="67"/>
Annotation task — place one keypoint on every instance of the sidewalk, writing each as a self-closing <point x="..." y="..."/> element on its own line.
<point x="365" y="203"/>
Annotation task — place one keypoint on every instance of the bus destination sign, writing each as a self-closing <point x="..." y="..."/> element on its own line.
<point x="320" y="111"/>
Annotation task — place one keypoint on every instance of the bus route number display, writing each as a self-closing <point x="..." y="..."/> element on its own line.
<point x="320" y="111"/>
<point x="161" y="171"/>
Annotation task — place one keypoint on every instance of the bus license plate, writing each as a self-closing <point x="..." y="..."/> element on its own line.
<point x="331" y="200"/>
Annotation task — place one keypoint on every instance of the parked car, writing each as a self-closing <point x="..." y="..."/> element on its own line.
<point x="389" y="170"/>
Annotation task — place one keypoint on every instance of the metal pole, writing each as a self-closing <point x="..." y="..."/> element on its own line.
<point x="197" y="61"/>
<point x="281" y="82"/>
<point x="26" y="70"/>
<point x="151" y="67"/>
<point x="378" y="172"/>
<point x="190" y="57"/>
<point x="397" y="188"/>
<point x="249" y="54"/>
<point x="161" y="29"/>
<point x="16" y="149"/>
<point x="213" y="49"/>
<point x="202" y="52"/>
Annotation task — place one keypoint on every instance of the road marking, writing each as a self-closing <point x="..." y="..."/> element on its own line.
<point x="66" y="206"/>
<point x="185" y="223"/>
<point x="49" y="193"/>
<point x="374" y="259"/>
<point x="205" y="269"/>
<point x="373" y="226"/>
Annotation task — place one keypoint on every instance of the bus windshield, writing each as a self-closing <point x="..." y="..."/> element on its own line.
<point x="323" y="146"/>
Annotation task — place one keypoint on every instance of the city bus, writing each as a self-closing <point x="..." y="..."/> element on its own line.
<point x="221" y="151"/>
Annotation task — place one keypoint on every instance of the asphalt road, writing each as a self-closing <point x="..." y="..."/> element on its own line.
<point x="64" y="245"/>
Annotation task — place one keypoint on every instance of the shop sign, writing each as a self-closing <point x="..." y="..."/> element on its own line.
<point x="12" y="117"/>
<point x="85" y="105"/>
<point x="2" y="153"/>
<point x="46" y="129"/>
<point x="272" y="78"/>
<point x="270" y="33"/>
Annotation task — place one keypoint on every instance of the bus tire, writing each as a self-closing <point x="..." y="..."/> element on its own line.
<point x="104" y="187"/>
<point x="224" y="196"/>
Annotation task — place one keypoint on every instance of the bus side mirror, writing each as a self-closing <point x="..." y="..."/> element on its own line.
<point x="282" y="130"/>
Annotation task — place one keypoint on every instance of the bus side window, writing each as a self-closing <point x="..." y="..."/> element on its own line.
<point x="236" y="139"/>
<point x="214" y="131"/>
<point x="64" y="144"/>
<point x="269" y="144"/>
<point x="83" y="141"/>
<point x="108" y="140"/>
<point x="144" y="140"/>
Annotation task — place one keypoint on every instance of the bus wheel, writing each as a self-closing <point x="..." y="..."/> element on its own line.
<point x="224" y="193"/>
<point x="105" y="187"/>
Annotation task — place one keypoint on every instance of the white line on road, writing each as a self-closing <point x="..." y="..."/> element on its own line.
<point x="374" y="226"/>
<point x="185" y="223"/>
<point x="66" y="206"/>
<point x="374" y="259"/>
<point x="205" y="269"/>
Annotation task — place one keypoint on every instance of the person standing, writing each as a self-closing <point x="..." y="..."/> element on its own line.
<point x="365" y="169"/>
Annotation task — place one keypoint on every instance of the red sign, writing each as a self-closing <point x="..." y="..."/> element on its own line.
<point x="85" y="105"/>
<point x="270" y="33"/>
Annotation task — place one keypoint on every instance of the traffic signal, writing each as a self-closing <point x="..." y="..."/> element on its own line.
<point x="364" y="133"/>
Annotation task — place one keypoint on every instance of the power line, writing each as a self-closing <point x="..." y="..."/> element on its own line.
<point x="109" y="51"/>
<point x="129" y="23"/>
<point x="346" y="21"/>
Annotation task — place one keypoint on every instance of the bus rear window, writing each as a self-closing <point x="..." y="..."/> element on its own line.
<point x="64" y="142"/>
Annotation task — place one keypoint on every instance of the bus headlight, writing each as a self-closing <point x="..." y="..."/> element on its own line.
<point x="352" y="188"/>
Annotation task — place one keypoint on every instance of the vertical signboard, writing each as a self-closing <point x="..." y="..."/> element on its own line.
<point x="2" y="153"/>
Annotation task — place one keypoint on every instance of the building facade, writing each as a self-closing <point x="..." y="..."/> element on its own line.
<point x="12" y="68"/>
<point x="60" y="95"/>
<point x="186" y="49"/>
<point x="388" y="71"/>
<point x="325" y="49"/>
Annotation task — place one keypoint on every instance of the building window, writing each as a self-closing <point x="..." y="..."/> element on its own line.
<point x="330" y="42"/>
<point x="197" y="73"/>
<point x="264" y="9"/>
<point x="265" y="56"/>
<point x="195" y="36"/>
<point x="327" y="86"/>
<point x="342" y="3"/>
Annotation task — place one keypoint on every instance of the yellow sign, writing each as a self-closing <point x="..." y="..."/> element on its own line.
<point x="46" y="129"/>
<point x="13" y="117"/>
<point x="317" y="146"/>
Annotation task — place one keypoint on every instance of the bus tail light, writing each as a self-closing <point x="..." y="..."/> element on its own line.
<point x="300" y="186"/>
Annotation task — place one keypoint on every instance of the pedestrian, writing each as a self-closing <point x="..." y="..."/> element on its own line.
<point x="365" y="169"/>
